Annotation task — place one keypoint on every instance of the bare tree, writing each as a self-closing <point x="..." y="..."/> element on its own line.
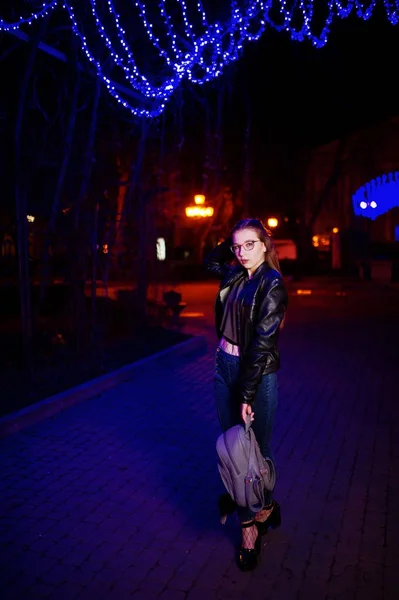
<point x="20" y="202"/>
<point x="66" y="155"/>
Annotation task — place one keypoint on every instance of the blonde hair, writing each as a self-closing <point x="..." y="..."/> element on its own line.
<point x="265" y="236"/>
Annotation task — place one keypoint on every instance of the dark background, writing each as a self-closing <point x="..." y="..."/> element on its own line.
<point x="305" y="95"/>
<point x="244" y="140"/>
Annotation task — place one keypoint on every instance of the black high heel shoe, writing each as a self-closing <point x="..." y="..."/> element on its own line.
<point x="248" y="557"/>
<point x="273" y="520"/>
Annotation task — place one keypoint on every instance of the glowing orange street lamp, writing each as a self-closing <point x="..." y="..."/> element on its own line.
<point x="199" y="211"/>
<point x="272" y="222"/>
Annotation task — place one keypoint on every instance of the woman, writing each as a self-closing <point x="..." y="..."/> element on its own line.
<point x="249" y="310"/>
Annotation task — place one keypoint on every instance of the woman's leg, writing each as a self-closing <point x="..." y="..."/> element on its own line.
<point x="265" y="409"/>
<point x="228" y="408"/>
<point x="225" y="386"/>
<point x="226" y="374"/>
<point x="265" y="406"/>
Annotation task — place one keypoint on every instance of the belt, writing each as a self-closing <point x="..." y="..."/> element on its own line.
<point x="226" y="346"/>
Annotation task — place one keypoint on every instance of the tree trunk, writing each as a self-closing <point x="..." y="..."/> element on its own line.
<point x="59" y="186"/>
<point x="20" y="205"/>
<point x="142" y="275"/>
<point x="67" y="151"/>
<point x="94" y="257"/>
<point x="119" y="233"/>
<point x="89" y="151"/>
<point x="79" y="252"/>
<point x="218" y="192"/>
<point x="247" y="164"/>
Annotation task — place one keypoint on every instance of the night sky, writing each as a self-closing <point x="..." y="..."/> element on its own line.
<point x="310" y="95"/>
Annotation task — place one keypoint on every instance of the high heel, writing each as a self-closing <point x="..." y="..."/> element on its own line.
<point x="273" y="520"/>
<point x="248" y="557"/>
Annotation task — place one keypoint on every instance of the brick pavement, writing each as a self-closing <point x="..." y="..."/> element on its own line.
<point x="115" y="497"/>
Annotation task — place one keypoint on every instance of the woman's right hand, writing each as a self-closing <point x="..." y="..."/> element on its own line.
<point x="246" y="409"/>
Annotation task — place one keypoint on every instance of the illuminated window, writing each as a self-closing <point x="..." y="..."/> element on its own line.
<point x="161" y="249"/>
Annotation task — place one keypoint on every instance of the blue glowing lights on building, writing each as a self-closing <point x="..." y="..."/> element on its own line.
<point x="377" y="196"/>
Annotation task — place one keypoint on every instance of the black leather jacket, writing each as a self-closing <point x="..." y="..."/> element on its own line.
<point x="262" y="306"/>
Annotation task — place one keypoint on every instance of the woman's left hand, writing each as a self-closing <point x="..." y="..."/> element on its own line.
<point x="246" y="409"/>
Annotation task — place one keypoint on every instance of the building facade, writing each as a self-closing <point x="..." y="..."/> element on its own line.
<point x="344" y="176"/>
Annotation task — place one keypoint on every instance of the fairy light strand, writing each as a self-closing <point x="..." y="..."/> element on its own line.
<point x="197" y="52"/>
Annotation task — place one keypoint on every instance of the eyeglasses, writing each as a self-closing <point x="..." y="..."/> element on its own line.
<point x="248" y="246"/>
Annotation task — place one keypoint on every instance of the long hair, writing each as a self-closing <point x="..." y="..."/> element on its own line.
<point x="265" y="236"/>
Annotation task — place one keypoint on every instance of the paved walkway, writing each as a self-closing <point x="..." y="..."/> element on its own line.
<point x="115" y="498"/>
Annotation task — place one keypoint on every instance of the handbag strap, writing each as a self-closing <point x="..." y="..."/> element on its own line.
<point x="267" y="474"/>
<point x="253" y="469"/>
<point x="253" y="464"/>
<point x="252" y="445"/>
<point x="248" y="423"/>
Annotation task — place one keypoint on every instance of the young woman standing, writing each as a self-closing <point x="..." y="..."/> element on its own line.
<point x="249" y="310"/>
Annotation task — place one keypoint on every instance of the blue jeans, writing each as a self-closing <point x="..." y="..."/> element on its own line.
<point x="227" y="371"/>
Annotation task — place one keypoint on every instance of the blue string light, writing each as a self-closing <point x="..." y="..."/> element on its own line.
<point x="131" y="72"/>
<point x="47" y="7"/>
<point x="198" y="53"/>
<point x="377" y="196"/>
<point x="171" y="32"/>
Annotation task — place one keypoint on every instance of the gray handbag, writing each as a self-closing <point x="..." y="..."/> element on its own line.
<point x="246" y="474"/>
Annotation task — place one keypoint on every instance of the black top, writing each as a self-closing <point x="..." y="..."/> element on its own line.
<point x="229" y="325"/>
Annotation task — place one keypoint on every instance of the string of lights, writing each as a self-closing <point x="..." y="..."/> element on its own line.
<point x="377" y="196"/>
<point x="47" y="7"/>
<point x="182" y="42"/>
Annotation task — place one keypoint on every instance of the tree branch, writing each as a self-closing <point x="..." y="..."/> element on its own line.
<point x="63" y="58"/>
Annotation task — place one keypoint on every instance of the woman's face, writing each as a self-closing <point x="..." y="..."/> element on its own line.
<point x="248" y="249"/>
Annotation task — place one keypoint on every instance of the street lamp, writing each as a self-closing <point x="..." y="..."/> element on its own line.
<point x="272" y="222"/>
<point x="199" y="211"/>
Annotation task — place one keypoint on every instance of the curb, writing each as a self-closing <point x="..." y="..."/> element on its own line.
<point x="375" y="290"/>
<point x="43" y="409"/>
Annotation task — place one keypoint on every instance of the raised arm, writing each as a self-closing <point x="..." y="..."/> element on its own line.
<point x="217" y="262"/>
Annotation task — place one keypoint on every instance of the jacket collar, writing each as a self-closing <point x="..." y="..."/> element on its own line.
<point x="263" y="268"/>
<point x="234" y="275"/>
<point x="239" y="272"/>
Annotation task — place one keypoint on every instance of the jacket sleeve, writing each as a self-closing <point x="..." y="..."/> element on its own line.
<point x="218" y="261"/>
<point x="271" y="314"/>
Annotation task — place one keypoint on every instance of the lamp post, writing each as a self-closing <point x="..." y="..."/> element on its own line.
<point x="199" y="211"/>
